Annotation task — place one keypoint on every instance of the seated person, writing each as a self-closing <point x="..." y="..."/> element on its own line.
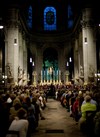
<point x="97" y="124"/>
<point x="88" y="106"/>
<point x="13" y="111"/>
<point x="92" y="101"/>
<point x="20" y="123"/>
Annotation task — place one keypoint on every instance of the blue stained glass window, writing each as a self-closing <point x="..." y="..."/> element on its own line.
<point x="70" y="15"/>
<point x="50" y="18"/>
<point x="29" y="20"/>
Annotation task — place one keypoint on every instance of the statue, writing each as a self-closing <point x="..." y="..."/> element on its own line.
<point x="91" y="71"/>
<point x="81" y="71"/>
<point x="20" y="72"/>
<point x="9" y="71"/>
<point x="24" y="75"/>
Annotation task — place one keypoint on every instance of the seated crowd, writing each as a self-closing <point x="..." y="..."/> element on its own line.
<point x="22" y="107"/>
<point x="20" y="110"/>
<point x="84" y="107"/>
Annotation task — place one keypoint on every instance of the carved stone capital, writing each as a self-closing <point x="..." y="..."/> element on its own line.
<point x="12" y="24"/>
<point x="87" y="23"/>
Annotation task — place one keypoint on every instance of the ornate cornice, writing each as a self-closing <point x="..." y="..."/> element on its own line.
<point x="12" y="23"/>
<point x="87" y="23"/>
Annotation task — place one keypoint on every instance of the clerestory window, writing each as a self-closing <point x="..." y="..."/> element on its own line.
<point x="70" y="17"/>
<point x="50" y="18"/>
<point x="29" y="20"/>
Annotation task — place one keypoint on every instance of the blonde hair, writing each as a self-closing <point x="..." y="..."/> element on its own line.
<point x="87" y="98"/>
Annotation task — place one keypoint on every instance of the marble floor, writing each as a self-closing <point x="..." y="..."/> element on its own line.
<point x="57" y="123"/>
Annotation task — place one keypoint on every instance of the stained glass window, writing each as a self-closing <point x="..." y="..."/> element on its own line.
<point x="70" y="15"/>
<point x="50" y="18"/>
<point x="29" y="20"/>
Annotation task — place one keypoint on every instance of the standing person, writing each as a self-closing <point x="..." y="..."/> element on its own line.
<point x="40" y="109"/>
<point x="52" y="90"/>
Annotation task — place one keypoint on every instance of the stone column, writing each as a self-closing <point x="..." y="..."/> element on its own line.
<point x="89" y="44"/>
<point x="24" y="62"/>
<point x="20" y="63"/>
<point x="81" y="70"/>
<point x="20" y="50"/>
<point x="61" y="65"/>
<point x="12" y="45"/>
<point x="39" y="61"/>
<point x="41" y="77"/>
<point x="66" y="77"/>
<point x="76" y="61"/>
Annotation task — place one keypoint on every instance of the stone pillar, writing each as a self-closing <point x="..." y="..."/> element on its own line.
<point x="41" y="77"/>
<point x="20" y="63"/>
<point x="20" y="50"/>
<point x="81" y="70"/>
<point x="66" y="77"/>
<point x="24" y="62"/>
<point x="89" y="45"/>
<point x="34" y="78"/>
<point x="38" y="65"/>
<point x="76" y="61"/>
<point x="61" y="65"/>
<point x="0" y="66"/>
<point x="59" y="76"/>
<point x="12" y="45"/>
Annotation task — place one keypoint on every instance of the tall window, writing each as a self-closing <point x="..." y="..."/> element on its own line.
<point x="29" y="20"/>
<point x="70" y="17"/>
<point x="50" y="18"/>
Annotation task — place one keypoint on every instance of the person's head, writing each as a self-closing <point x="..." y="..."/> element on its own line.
<point x="87" y="98"/>
<point x="28" y="101"/>
<point x="34" y="99"/>
<point x="22" y="113"/>
<point x="16" y="100"/>
<point x="91" y="94"/>
<point x="17" y="105"/>
<point x="87" y="92"/>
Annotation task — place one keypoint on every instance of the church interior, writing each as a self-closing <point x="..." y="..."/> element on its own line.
<point x="49" y="60"/>
<point x="49" y="41"/>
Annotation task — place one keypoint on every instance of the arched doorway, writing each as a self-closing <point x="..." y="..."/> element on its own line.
<point x="50" y="66"/>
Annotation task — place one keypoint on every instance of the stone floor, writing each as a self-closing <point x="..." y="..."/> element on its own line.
<point x="58" y="122"/>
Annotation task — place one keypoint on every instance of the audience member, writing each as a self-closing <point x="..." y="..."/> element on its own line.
<point x="20" y="123"/>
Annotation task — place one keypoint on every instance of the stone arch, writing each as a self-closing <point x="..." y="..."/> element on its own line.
<point x="50" y="56"/>
<point x="50" y="64"/>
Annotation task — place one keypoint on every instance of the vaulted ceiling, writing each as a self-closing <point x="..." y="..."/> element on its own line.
<point x="77" y="6"/>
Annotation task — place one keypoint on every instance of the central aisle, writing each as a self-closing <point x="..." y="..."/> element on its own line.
<point x="58" y="122"/>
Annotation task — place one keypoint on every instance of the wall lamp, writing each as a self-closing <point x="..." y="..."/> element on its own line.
<point x="30" y="60"/>
<point x="85" y="40"/>
<point x="15" y="41"/>
<point x="70" y="59"/>
<point x="33" y="64"/>
<point x="67" y="64"/>
<point x="1" y="24"/>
